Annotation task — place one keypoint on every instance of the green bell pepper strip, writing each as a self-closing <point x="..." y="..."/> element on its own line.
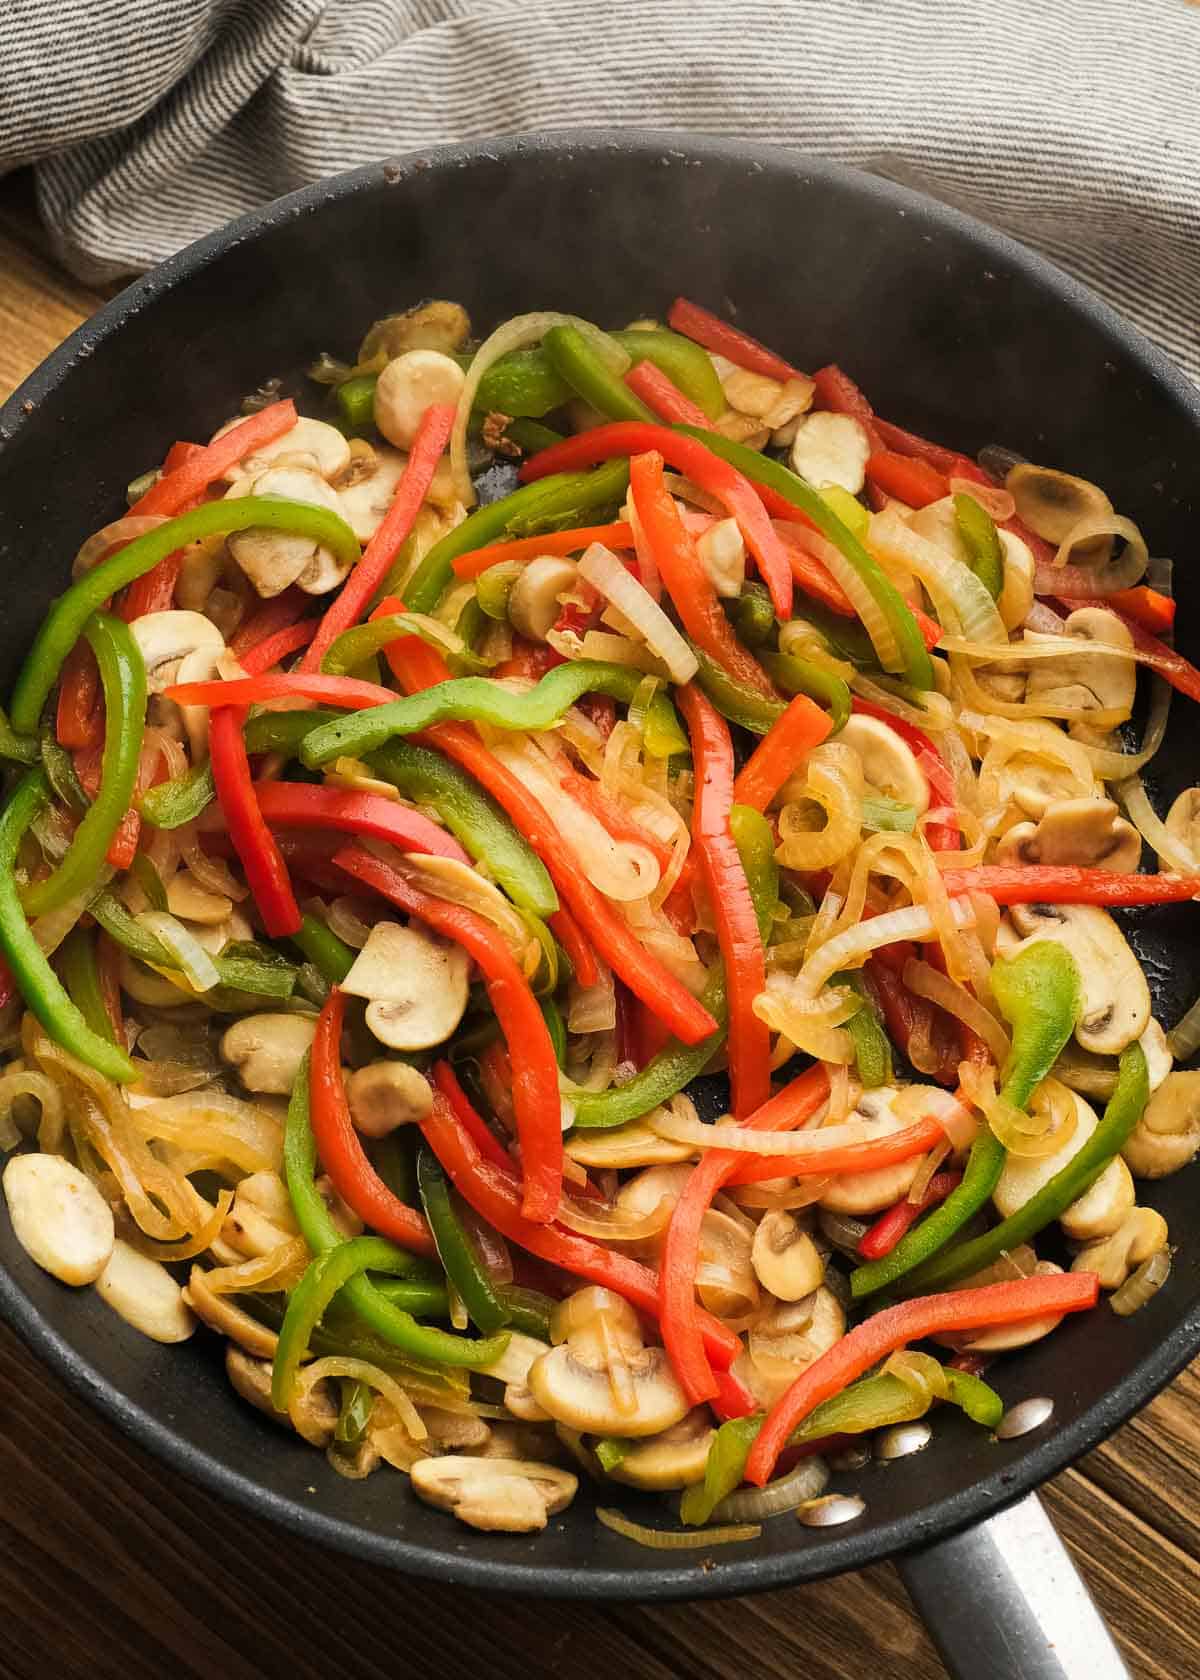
<point x="328" y="1274"/>
<point x="556" y="1027"/>
<point x="761" y="469"/>
<point x="873" y="1402"/>
<point x="524" y="384"/>
<point x="753" y="617"/>
<point x="355" y="648"/>
<point x="577" y="363"/>
<point x="978" y="531"/>
<point x="63" y="624"/>
<point x="1124" y="1110"/>
<point x="60" y="773"/>
<point x="423" y="1297"/>
<point x="1038" y="992"/>
<point x="801" y="676"/>
<point x="687" y="364"/>
<point x="172" y="804"/>
<point x="735" y="700"/>
<point x="237" y="972"/>
<point x="676" y="1064"/>
<point x="526" y="1310"/>
<point x="77" y="965"/>
<point x="357" y="1292"/>
<point x="558" y="502"/>
<point x="330" y="956"/>
<point x="123" y="679"/>
<point x="473" y="817"/>
<point x="493" y="588"/>
<point x="881" y="815"/>
<point x="354" y="1413"/>
<point x="478" y="700"/>
<point x="17" y="749"/>
<point x="611" y="1452"/>
<point x="356" y="401"/>
<point x="150" y="881"/>
<point x="872" y="1048"/>
<point x="456" y="1248"/>
<point x="41" y="988"/>
<point x="530" y="435"/>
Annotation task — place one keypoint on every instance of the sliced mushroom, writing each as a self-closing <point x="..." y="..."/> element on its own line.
<point x="722" y="552"/>
<point x="787" y="1261"/>
<point x="251" y="1378"/>
<point x="144" y="1294"/>
<point x="215" y="936"/>
<point x="503" y="1495"/>
<point x="1141" y="1233"/>
<point x="599" y="1378"/>
<point x="1032" y="778"/>
<point x="59" y="1217"/>
<point x="416" y="986"/>
<point x="267" y="1050"/>
<point x="533" y="602"/>
<point x="145" y="985"/>
<point x="274" y="559"/>
<point x="180" y="646"/>
<point x="1167" y="1136"/>
<point x="1024" y="1175"/>
<point x="250" y="1232"/>
<point x="1006" y="1338"/>
<point x="365" y="493"/>
<point x="1116" y="997"/>
<point x="408" y="385"/>
<point x="631" y="1145"/>
<point x="519" y="1440"/>
<point x="888" y="763"/>
<point x="316" y="438"/>
<point x="385" y="1095"/>
<point x="789" y="1339"/>
<point x="1101" y="1209"/>
<point x="1104" y="684"/>
<point x="461" y="1431"/>
<point x="871" y="1192"/>
<point x="831" y="449"/>
<point x="1183" y="822"/>
<point x="674" y="1459"/>
<point x="656" y="1184"/>
<point x="436" y="325"/>
<point x="267" y="1192"/>
<point x="726" y="1281"/>
<point x="1052" y="503"/>
<point x="203" y="563"/>
<point x="190" y="901"/>
<point x="1157" y="1052"/>
<point x="222" y="1314"/>
<point x="1088" y="832"/>
<point x="518" y="1357"/>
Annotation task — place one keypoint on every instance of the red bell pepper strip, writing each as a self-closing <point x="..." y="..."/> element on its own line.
<point x="617" y="535"/>
<point x="481" y="1134"/>
<point x="882" y="1237"/>
<point x="272" y="616"/>
<point x="912" y="1321"/>
<point x="662" y="394"/>
<point x="304" y="805"/>
<point x="193" y="477"/>
<point x="942" y="836"/>
<point x="179" y="454"/>
<point x="808" y="571"/>
<point x="838" y="393"/>
<point x="679" y="1310"/>
<point x="262" y="862"/>
<point x="347" y="692"/>
<point x="1068" y="884"/>
<point x="741" y="945"/>
<point x="80" y="718"/>
<point x="567" y="931"/>
<point x="263" y="655"/>
<point x="535" y="1096"/>
<point x="802" y="726"/>
<point x="948" y="462"/>
<point x="684" y="576"/>
<point x="904" y="1014"/>
<point x="1154" y="611"/>
<point x="341" y="1153"/>
<point x="493" y="1192"/>
<point x="717" y="336"/>
<point x="706" y="470"/>
<point x="154" y="591"/>
<point x="529" y="660"/>
<point x="909" y="479"/>
<point x="355" y="595"/>
<point x="916" y="1139"/>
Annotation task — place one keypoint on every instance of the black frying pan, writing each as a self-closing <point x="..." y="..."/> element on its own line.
<point x="954" y="331"/>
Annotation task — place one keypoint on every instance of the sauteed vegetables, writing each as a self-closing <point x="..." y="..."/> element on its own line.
<point x="560" y="902"/>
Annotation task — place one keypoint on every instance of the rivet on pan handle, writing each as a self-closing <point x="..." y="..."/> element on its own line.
<point x="1004" y="1601"/>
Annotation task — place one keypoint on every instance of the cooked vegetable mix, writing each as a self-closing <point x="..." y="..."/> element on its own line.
<point x="380" y="870"/>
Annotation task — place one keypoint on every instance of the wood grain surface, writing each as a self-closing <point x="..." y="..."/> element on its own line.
<point x="110" y="1566"/>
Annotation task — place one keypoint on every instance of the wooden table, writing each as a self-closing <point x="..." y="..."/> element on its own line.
<point x="110" y="1566"/>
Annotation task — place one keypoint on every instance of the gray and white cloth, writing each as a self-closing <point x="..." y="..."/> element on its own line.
<point x="1073" y="124"/>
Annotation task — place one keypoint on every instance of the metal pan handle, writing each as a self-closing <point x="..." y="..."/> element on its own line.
<point x="1004" y="1601"/>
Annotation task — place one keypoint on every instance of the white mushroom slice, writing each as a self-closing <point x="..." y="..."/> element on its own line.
<point x="316" y="438"/>
<point x="513" y="1365"/>
<point x="643" y="1194"/>
<point x="1167" y="1136"/>
<point x="1102" y="684"/>
<point x="214" y="938"/>
<point x="222" y="1314"/>
<point x="1157" y="1053"/>
<point x="1006" y="1338"/>
<point x="888" y="763"/>
<point x="203" y="563"/>
<point x="416" y="986"/>
<point x="166" y="638"/>
<point x="144" y="1294"/>
<point x="1116" y="997"/>
<point x="1088" y="832"/>
<point x="274" y="559"/>
<point x="59" y="1217"/>
<point x="1052" y="503"/>
<point x="1102" y="1208"/>
<point x="674" y="1459"/>
<point x="190" y="901"/>
<point x="1141" y="1233"/>
<point x="789" y="1339"/>
<point x="871" y="1192"/>
<point x="385" y="1095"/>
<point x="1024" y="1175"/>
<point x="460" y="1430"/>
<point x="722" y="552"/>
<point x="755" y="394"/>
<point x="249" y="1231"/>
<point x="251" y="1378"/>
<point x="146" y="985"/>
<point x="267" y="1050"/>
<point x="1036" y="774"/>
<point x="368" y="494"/>
<point x="410" y="384"/>
<point x="631" y="1145"/>
<point x="533" y="602"/>
<point x="503" y="1495"/>
<point x="435" y="325"/>
<point x="831" y="449"/>
<point x="785" y="1257"/>
<point x="1183" y="822"/>
<point x="580" y="1394"/>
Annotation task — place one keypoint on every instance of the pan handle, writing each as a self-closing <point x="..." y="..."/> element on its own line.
<point x="1004" y="1600"/>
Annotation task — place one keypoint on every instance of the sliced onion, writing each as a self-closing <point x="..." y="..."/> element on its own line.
<point x="992" y="498"/>
<point x="1044" y="621"/>
<point x="790" y="1194"/>
<point x="617" y="650"/>
<point x="279" y="1268"/>
<point x="920" y="1372"/>
<point x="739" y="1141"/>
<point x="1064" y="580"/>
<point x="851" y="949"/>
<point x="359" y="1370"/>
<point x="676" y="1540"/>
<point x="197" y="966"/>
<point x="935" y="712"/>
<point x="866" y="607"/>
<point x="522" y="330"/>
<point x="925" y="1172"/>
<point x="593" y="1009"/>
<point x="1032" y="1134"/>
<point x="808" y="1480"/>
<point x="1183" y="1040"/>
<point x="928" y="982"/>
<point x="212" y="873"/>
<point x="205" y="1236"/>
<point x="28" y="1082"/>
<point x="344" y="917"/>
<point x="1143" y="1284"/>
<point x="1117" y="766"/>
<point x="114" y="535"/>
<point x="1172" y="853"/>
<point x="601" y="568"/>
<point x="834" y="784"/>
<point x="958" y="595"/>
<point x="51" y="929"/>
<point x="215" y="1128"/>
<point x="594" y="1219"/>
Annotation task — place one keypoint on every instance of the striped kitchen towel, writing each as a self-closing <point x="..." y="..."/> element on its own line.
<point x="1073" y="124"/>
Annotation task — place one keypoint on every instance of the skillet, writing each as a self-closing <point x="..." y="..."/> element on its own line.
<point x="956" y="332"/>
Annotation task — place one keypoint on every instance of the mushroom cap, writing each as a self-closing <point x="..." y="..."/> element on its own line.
<point x="1088" y="832"/>
<point x="1167" y="1136"/>
<point x="785" y="1258"/>
<point x="581" y="1395"/>
<point x="367" y="495"/>
<point x="1115" y="995"/>
<point x="533" y="601"/>
<point x="267" y="1049"/>
<point x="888" y="763"/>
<point x="1052" y="503"/>
<point x="674" y="1459"/>
<point x="1183" y="821"/>
<point x="271" y="559"/>
<point x="871" y="1192"/>
<point x="1104" y="685"/>
<point x="510" y="1496"/>
<point x="328" y="448"/>
<point x="416" y="986"/>
<point x="408" y="385"/>
<point x="831" y="449"/>
<point x="1141" y="1233"/>
<point x="435" y="325"/>
<point x="384" y="1095"/>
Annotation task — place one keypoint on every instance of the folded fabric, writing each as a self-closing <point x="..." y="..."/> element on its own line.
<point x="1072" y="124"/>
